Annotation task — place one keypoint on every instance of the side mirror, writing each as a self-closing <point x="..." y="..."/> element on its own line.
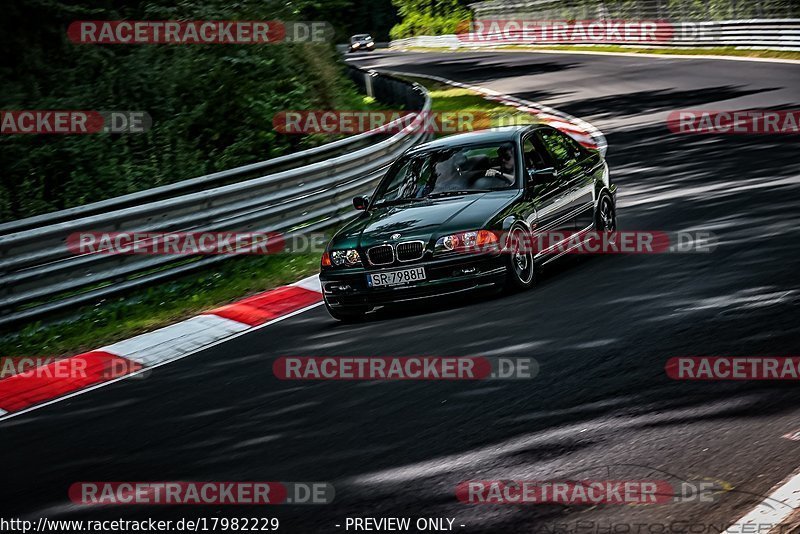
<point x="360" y="203"/>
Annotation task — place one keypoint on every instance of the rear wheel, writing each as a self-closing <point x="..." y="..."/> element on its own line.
<point x="347" y="315"/>
<point x="521" y="270"/>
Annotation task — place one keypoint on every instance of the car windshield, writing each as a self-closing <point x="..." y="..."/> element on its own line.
<point x="450" y="171"/>
<point x="363" y="37"/>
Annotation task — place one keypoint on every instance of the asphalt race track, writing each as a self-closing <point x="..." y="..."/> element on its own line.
<point x="600" y="328"/>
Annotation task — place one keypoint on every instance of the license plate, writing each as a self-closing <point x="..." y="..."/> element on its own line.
<point x="396" y="278"/>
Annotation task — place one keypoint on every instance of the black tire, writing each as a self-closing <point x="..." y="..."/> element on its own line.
<point x="605" y="219"/>
<point x="347" y="315"/>
<point x="521" y="268"/>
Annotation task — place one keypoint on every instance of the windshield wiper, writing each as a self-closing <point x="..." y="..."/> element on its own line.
<point x="441" y="194"/>
<point x="398" y="201"/>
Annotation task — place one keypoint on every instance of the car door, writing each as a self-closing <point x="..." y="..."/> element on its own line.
<point x="591" y="164"/>
<point x="546" y="189"/>
<point x="570" y="161"/>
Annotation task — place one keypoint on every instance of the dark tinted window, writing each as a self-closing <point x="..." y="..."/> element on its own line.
<point x="564" y="150"/>
<point x="534" y="159"/>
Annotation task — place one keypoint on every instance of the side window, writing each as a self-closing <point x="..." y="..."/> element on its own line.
<point x="537" y="160"/>
<point x="561" y="148"/>
<point x="534" y="159"/>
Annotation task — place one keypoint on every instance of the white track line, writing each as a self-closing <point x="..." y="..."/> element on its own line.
<point x="146" y="369"/>
<point x="772" y="511"/>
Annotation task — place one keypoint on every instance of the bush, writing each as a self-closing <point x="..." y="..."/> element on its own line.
<point x="211" y="105"/>
<point x="424" y="17"/>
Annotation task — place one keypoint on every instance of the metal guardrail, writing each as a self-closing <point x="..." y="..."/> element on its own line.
<point x="769" y="34"/>
<point x="295" y="194"/>
<point x="637" y="9"/>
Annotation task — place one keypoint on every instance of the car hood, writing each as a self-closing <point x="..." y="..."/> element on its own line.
<point x="424" y="220"/>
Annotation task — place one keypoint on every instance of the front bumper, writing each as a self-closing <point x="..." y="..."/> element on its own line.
<point x="348" y="287"/>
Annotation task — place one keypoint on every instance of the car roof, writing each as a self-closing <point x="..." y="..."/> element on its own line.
<point x="502" y="134"/>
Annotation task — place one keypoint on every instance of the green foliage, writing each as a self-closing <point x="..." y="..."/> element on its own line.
<point x="429" y="17"/>
<point x="211" y="105"/>
<point x="677" y="10"/>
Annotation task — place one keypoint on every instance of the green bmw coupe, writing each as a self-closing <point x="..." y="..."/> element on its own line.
<point x="453" y="216"/>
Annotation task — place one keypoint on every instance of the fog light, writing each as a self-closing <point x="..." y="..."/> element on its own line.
<point x="337" y="288"/>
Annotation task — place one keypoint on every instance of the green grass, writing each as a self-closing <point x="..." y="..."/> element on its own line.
<point x="715" y="51"/>
<point x="446" y="98"/>
<point x="144" y="310"/>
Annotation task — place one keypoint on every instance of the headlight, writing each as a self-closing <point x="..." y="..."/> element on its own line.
<point x="475" y="241"/>
<point x="345" y="257"/>
<point x="370" y="45"/>
<point x="356" y="45"/>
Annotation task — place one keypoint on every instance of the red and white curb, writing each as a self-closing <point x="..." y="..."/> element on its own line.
<point x="47" y="384"/>
<point x="580" y="130"/>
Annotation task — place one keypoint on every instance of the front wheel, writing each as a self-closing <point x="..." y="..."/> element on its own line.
<point x="521" y="269"/>
<point x="347" y="315"/>
<point x="606" y="218"/>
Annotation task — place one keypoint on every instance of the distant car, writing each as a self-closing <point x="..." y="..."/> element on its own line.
<point x="361" y="42"/>
<point x="492" y="188"/>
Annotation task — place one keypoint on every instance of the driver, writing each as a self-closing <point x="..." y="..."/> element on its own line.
<point x="505" y="167"/>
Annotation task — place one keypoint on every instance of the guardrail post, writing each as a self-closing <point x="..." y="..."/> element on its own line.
<point x="368" y="83"/>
